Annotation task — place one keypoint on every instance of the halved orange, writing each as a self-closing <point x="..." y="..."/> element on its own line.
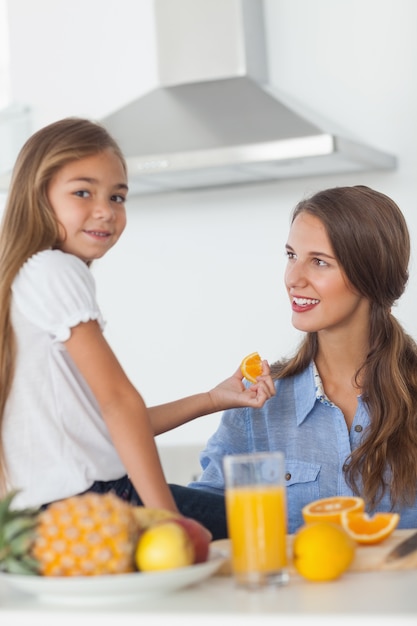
<point x="367" y="529"/>
<point x="331" y="509"/>
<point x="251" y="367"/>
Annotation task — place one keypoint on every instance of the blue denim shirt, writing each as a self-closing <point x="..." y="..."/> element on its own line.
<point x="312" y="433"/>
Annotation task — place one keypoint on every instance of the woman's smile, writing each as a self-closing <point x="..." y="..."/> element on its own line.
<point x="300" y="305"/>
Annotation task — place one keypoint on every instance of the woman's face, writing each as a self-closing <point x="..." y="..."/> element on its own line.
<point x="320" y="294"/>
<point x="88" y="197"/>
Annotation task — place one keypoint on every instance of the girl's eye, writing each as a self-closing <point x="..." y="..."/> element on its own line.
<point x="118" y="199"/>
<point x="290" y="255"/>
<point x="82" y="193"/>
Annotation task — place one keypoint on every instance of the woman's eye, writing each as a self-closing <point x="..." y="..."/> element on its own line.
<point x="290" y="255"/>
<point x="320" y="262"/>
<point x="82" y="193"/>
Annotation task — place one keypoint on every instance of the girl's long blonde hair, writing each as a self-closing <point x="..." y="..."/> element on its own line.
<point x="370" y="239"/>
<point x="29" y="224"/>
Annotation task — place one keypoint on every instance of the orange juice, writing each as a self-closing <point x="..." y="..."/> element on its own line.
<point x="257" y="523"/>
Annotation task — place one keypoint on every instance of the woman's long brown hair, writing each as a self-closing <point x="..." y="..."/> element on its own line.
<point x="29" y="224"/>
<point x="370" y="239"/>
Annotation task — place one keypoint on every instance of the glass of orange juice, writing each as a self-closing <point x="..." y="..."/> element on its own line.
<point x="257" y="517"/>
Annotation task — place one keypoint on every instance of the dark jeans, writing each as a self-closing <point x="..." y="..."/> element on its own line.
<point x="206" y="507"/>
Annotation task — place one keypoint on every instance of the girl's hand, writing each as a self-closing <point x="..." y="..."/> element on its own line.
<point x="232" y="392"/>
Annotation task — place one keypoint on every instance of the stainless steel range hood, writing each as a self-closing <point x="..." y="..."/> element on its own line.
<point x="214" y="120"/>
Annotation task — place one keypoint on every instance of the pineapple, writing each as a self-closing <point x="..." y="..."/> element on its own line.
<point x="17" y="531"/>
<point x="86" y="535"/>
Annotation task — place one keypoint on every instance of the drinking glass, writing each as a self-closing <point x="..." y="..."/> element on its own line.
<point x="257" y="517"/>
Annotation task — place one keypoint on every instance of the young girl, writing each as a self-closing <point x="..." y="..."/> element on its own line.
<point x="71" y="420"/>
<point x="345" y="409"/>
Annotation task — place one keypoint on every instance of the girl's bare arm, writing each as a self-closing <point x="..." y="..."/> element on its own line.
<point x="123" y="411"/>
<point x="229" y="394"/>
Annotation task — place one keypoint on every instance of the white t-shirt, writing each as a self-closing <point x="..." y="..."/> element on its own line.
<point x="55" y="440"/>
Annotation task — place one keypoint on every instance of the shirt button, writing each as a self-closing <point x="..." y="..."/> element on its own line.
<point x="287" y="476"/>
<point x="358" y="428"/>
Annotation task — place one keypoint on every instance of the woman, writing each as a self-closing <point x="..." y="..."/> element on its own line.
<point x="345" y="409"/>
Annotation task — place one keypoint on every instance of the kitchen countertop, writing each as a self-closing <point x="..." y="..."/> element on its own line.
<point x="380" y="596"/>
<point x="370" y="589"/>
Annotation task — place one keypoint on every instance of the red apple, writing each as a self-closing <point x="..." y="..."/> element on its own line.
<point x="199" y="535"/>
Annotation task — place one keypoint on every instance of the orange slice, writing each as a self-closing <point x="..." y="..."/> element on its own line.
<point x="251" y="367"/>
<point x="331" y="509"/>
<point x="367" y="529"/>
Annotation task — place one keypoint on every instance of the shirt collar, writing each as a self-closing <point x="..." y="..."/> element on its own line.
<point x="320" y="393"/>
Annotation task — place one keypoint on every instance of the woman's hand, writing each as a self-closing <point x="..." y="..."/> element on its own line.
<point x="232" y="392"/>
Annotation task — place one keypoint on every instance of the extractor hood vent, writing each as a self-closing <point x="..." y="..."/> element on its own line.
<point x="214" y="120"/>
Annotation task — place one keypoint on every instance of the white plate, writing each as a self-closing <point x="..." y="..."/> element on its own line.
<point x="118" y="587"/>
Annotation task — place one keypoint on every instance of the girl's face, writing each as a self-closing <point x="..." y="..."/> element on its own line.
<point x="321" y="296"/>
<point x="88" y="197"/>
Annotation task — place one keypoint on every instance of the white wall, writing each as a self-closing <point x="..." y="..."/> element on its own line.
<point x="196" y="281"/>
<point x="4" y="57"/>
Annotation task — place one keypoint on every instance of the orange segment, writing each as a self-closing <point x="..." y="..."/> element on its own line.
<point x="251" y="367"/>
<point x="330" y="509"/>
<point x="368" y="530"/>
